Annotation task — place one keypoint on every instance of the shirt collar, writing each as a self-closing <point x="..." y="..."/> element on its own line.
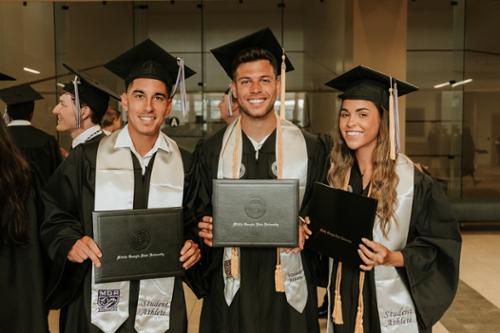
<point x="85" y="135"/>
<point x="19" y="122"/>
<point x="125" y="141"/>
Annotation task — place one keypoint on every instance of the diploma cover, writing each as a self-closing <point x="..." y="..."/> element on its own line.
<point x="339" y="219"/>
<point x="138" y="244"/>
<point x="255" y="212"/>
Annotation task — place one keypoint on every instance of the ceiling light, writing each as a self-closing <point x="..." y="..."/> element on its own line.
<point x="461" y="82"/>
<point x="31" y="70"/>
<point x="60" y="85"/>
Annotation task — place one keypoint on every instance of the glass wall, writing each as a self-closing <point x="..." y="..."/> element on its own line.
<point x="435" y="61"/>
<point x="481" y="134"/>
<point x="453" y="122"/>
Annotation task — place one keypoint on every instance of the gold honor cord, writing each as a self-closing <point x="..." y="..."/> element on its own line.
<point x="337" y="308"/>
<point x="278" y="274"/>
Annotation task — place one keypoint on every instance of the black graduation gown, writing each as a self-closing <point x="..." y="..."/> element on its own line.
<point x="69" y="202"/>
<point x="38" y="147"/>
<point x="431" y="256"/>
<point x="23" y="275"/>
<point x="256" y="307"/>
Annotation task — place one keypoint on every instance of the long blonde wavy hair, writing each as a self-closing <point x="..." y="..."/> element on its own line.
<point x="384" y="179"/>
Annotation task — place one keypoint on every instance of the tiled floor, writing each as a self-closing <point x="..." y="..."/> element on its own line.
<point x="475" y="309"/>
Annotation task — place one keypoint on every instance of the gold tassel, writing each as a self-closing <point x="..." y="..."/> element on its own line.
<point x="235" y="263"/>
<point x="278" y="274"/>
<point x="359" y="316"/>
<point x="392" y="126"/>
<point x="283" y="82"/>
<point x="337" y="308"/>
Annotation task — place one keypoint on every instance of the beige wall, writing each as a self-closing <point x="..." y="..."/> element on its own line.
<point x="376" y="37"/>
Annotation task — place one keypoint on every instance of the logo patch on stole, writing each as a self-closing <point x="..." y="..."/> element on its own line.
<point x="227" y="269"/>
<point x="108" y="299"/>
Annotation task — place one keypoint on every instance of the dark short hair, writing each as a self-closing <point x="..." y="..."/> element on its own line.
<point x="93" y="117"/>
<point x="254" y="54"/>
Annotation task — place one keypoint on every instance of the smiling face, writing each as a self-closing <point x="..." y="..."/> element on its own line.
<point x="359" y="124"/>
<point x="147" y="104"/>
<point x="256" y="86"/>
<point x="66" y="114"/>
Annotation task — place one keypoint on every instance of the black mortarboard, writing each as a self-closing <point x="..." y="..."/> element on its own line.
<point x="370" y="85"/>
<point x="264" y="39"/>
<point x="149" y="61"/>
<point x="4" y="77"/>
<point x="363" y="83"/>
<point x="20" y="100"/>
<point x="91" y="92"/>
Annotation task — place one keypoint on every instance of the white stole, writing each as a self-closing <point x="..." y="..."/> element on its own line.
<point x="114" y="190"/>
<point x="295" y="161"/>
<point x="395" y="305"/>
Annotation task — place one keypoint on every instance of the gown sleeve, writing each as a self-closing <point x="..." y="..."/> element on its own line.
<point x="194" y="275"/>
<point x="432" y="253"/>
<point x="61" y="229"/>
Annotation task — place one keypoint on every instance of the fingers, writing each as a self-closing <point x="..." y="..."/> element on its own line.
<point x="85" y="248"/>
<point x="306" y="221"/>
<point x="190" y="254"/>
<point x="206" y="230"/>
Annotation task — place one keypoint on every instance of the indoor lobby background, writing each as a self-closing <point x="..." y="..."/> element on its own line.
<point x="449" y="49"/>
<point x="451" y="129"/>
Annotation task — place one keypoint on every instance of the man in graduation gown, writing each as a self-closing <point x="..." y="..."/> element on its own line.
<point x="250" y="302"/>
<point x="137" y="167"/>
<point x="35" y="145"/>
<point x="82" y="104"/>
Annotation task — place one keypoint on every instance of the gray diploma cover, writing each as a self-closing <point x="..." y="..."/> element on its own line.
<point x="138" y="244"/>
<point x="256" y="212"/>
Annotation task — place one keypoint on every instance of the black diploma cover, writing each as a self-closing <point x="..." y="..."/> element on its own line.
<point x="255" y="212"/>
<point x="138" y="244"/>
<point x="339" y="220"/>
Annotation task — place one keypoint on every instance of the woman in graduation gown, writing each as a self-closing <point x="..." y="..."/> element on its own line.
<point x="22" y="260"/>
<point x="410" y="272"/>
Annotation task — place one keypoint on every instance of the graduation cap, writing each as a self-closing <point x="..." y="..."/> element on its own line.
<point x="4" y="77"/>
<point x="20" y="100"/>
<point x="91" y="92"/>
<point x="263" y="39"/>
<point x="363" y="83"/>
<point x="149" y="61"/>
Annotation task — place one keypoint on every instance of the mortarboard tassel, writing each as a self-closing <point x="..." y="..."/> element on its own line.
<point x="358" y="327"/>
<point x="283" y="82"/>
<point x="337" y="307"/>
<point x="396" y="117"/>
<point x="392" y="130"/>
<point x="278" y="274"/>
<point x="77" y="103"/>
<point x="181" y="80"/>
<point x="230" y="102"/>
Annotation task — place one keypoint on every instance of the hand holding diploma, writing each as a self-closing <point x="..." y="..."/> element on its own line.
<point x="206" y="230"/>
<point x="85" y="248"/>
<point x="190" y="254"/>
<point x="374" y="254"/>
